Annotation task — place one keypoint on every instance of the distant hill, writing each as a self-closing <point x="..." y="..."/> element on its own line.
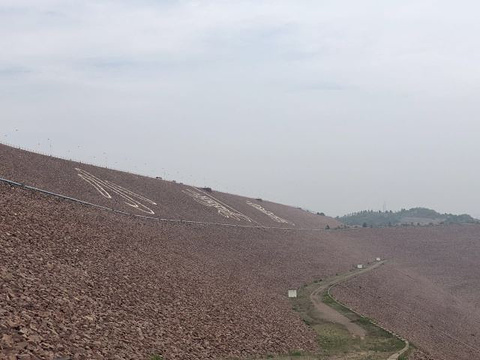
<point x="415" y="216"/>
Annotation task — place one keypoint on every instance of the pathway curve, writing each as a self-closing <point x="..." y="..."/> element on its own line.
<point x="330" y="314"/>
<point x="401" y="352"/>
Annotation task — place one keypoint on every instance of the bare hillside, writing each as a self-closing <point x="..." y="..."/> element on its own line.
<point x="147" y="196"/>
<point x="89" y="283"/>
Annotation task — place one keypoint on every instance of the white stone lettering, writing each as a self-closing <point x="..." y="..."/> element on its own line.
<point x="210" y="202"/>
<point x="103" y="187"/>
<point x="270" y="214"/>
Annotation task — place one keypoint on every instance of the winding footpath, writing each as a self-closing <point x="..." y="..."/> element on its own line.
<point x="329" y="314"/>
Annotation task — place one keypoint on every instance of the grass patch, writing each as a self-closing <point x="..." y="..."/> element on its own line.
<point x="406" y="355"/>
<point x="334" y="340"/>
<point x="377" y="340"/>
<point x="296" y="353"/>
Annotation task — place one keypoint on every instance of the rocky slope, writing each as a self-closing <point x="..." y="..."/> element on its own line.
<point x="88" y="283"/>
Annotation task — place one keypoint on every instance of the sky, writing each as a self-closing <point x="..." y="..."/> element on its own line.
<point x="335" y="106"/>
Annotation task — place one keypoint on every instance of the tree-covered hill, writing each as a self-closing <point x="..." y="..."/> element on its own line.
<point x="414" y="216"/>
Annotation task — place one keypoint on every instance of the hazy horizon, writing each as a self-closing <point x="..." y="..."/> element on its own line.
<point x="335" y="107"/>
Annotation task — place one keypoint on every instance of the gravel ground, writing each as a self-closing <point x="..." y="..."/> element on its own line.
<point x="61" y="177"/>
<point x="87" y="283"/>
<point x="428" y="292"/>
<point x="90" y="284"/>
<point x="419" y="355"/>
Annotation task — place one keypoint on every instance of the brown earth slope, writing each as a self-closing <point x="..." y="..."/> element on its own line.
<point x="172" y="200"/>
<point x="85" y="282"/>
<point x="428" y="292"/>
<point x="93" y="284"/>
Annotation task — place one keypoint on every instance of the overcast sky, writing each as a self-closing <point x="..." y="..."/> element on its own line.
<point x="335" y="106"/>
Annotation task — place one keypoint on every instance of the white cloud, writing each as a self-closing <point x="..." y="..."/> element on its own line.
<point x="321" y="84"/>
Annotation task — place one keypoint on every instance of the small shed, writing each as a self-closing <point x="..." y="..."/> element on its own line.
<point x="378" y="259"/>
<point x="360" y="266"/>
<point x="292" y="293"/>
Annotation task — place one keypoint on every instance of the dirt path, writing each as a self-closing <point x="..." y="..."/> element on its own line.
<point x="330" y="314"/>
<point x="397" y="354"/>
